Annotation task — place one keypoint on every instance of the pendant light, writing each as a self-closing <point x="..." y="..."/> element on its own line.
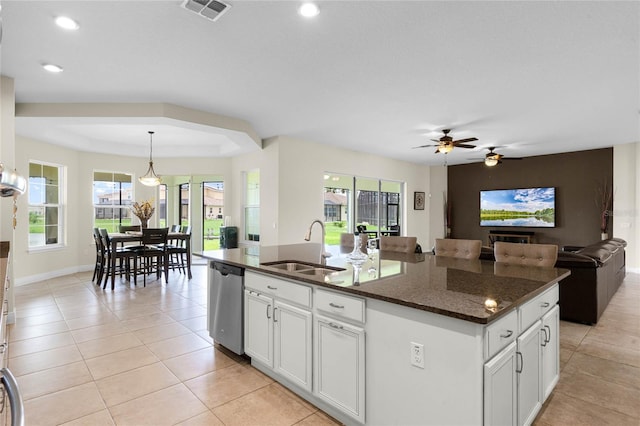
<point x="150" y="178"/>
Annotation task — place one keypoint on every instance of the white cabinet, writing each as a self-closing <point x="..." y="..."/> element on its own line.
<point x="292" y="343"/>
<point x="529" y="374"/>
<point x="500" y="388"/>
<point x="550" y="351"/>
<point x="533" y="361"/>
<point x="339" y="365"/>
<point x="258" y="327"/>
<point x="278" y="334"/>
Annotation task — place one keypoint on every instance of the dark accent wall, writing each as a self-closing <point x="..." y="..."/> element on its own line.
<point x="576" y="176"/>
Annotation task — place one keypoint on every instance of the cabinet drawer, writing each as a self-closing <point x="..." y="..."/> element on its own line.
<point x="499" y="334"/>
<point x="285" y="290"/>
<point x="340" y="305"/>
<point x="531" y="311"/>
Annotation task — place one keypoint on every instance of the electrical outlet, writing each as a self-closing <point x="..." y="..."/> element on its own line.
<point x="417" y="354"/>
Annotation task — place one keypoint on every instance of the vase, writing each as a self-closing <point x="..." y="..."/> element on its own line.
<point x="144" y="223"/>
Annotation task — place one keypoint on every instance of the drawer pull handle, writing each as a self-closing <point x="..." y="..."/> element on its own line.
<point x="509" y="333"/>
<point x="274" y="314"/>
<point x="544" y="340"/>
<point x="333" y="305"/>
<point x="268" y="307"/>
<point x="272" y="288"/>
<point x="339" y="327"/>
<point x="545" y="305"/>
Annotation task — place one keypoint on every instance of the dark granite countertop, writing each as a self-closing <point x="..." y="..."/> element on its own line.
<point x="456" y="288"/>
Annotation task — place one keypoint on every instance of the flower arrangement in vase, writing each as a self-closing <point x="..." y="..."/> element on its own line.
<point x="143" y="211"/>
<point x="604" y="197"/>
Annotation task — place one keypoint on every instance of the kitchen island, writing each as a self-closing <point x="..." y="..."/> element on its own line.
<point x="405" y="339"/>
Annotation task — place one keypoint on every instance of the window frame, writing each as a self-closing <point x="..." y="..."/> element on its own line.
<point x="60" y="206"/>
<point x="248" y="204"/>
<point x="123" y="206"/>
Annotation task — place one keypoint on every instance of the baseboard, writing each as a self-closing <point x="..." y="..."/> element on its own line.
<point x="52" y="274"/>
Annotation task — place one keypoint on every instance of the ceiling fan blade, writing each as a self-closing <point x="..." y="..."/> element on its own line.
<point x="510" y="158"/>
<point x="437" y="150"/>
<point x="462" y="145"/>
<point x="465" y="140"/>
<point x="424" y="146"/>
<point x="436" y="140"/>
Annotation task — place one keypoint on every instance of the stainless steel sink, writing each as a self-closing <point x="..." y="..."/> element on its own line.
<point x="318" y="271"/>
<point x="303" y="268"/>
<point x="288" y="266"/>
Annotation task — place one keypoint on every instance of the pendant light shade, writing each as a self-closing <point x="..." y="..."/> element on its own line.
<point x="150" y="178"/>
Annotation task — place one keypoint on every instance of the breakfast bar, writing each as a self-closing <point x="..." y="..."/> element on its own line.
<point x="402" y="338"/>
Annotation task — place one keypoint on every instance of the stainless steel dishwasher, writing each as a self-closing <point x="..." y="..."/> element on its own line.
<point x="225" y="313"/>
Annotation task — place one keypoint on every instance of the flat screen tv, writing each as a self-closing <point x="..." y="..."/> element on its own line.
<point x="527" y="207"/>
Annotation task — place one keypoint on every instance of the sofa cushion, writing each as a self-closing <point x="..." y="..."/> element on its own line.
<point x="596" y="252"/>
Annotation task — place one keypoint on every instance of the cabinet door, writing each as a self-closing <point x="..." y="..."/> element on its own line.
<point x="339" y="365"/>
<point x="529" y="374"/>
<point x="292" y="328"/>
<point x="550" y="351"/>
<point x="258" y="327"/>
<point x="500" y="388"/>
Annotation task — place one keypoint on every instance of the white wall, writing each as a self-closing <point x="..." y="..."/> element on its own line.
<point x="300" y="170"/>
<point x="626" y="202"/>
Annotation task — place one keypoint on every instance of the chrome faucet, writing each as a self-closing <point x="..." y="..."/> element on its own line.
<point x="323" y="253"/>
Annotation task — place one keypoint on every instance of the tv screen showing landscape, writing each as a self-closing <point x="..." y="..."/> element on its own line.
<point x="528" y="207"/>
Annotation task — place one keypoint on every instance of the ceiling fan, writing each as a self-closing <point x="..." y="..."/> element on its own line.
<point x="493" y="158"/>
<point x="446" y="143"/>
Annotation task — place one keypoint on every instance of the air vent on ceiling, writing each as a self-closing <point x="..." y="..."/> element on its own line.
<point x="210" y="9"/>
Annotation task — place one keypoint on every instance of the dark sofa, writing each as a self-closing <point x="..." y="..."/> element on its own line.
<point x="597" y="271"/>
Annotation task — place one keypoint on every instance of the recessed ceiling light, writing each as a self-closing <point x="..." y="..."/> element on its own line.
<point x="67" y="23"/>
<point x="52" y="68"/>
<point x="308" y="10"/>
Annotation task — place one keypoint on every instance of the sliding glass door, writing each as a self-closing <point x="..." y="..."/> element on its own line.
<point x="354" y="203"/>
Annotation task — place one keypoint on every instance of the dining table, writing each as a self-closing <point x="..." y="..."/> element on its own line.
<point x="118" y="238"/>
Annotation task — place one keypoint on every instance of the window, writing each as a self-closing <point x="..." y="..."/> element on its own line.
<point x="45" y="204"/>
<point x="371" y="204"/>
<point x="183" y="207"/>
<point x="112" y="197"/>
<point x="162" y="205"/>
<point x="252" y="205"/>
<point x="212" y="216"/>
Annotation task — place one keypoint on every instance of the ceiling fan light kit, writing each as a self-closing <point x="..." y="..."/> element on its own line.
<point x="150" y="178"/>
<point x="445" y="148"/>
<point x="491" y="161"/>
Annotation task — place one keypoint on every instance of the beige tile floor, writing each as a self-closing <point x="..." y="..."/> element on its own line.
<point x="138" y="356"/>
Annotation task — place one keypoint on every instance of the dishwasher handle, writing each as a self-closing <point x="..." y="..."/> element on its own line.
<point x="15" y="398"/>
<point x="225" y="269"/>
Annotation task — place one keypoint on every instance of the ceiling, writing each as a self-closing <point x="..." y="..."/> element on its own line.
<point x="381" y="77"/>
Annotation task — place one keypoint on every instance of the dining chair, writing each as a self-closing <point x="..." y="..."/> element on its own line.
<point x="177" y="251"/>
<point x="122" y="257"/>
<point x="347" y="241"/>
<point x="152" y="255"/>
<point x="458" y="247"/>
<point x="398" y="244"/>
<point x="98" y="270"/>
<point x="543" y="255"/>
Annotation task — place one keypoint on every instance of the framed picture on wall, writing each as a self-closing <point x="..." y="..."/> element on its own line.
<point x="418" y="200"/>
